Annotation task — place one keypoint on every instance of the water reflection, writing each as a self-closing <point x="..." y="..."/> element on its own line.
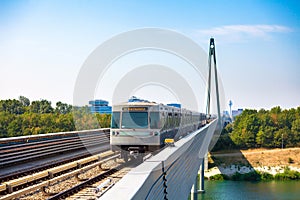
<point x="231" y="190"/>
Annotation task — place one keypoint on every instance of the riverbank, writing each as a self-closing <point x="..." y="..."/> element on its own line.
<point x="254" y="162"/>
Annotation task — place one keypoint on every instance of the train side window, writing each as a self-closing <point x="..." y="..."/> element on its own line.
<point x="170" y="120"/>
<point x="176" y="120"/>
<point x="154" y="120"/>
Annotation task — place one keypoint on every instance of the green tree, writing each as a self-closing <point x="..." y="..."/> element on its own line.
<point x="42" y="106"/>
<point x="286" y="117"/>
<point x="84" y="119"/>
<point x="15" y="127"/>
<point x="282" y="136"/>
<point x="65" y="122"/>
<point x="12" y="106"/>
<point x="296" y="132"/>
<point x="265" y="137"/>
<point x="260" y="138"/>
<point x="265" y="128"/>
<point x="245" y="129"/>
<point x="63" y="108"/>
<point x="224" y="141"/>
<point x="47" y="123"/>
<point x="5" y="119"/>
<point x="24" y="101"/>
<point x="104" y="120"/>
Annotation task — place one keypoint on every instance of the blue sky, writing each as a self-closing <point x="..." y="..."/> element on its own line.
<point x="43" y="44"/>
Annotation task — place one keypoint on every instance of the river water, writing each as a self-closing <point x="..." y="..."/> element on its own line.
<point x="231" y="190"/>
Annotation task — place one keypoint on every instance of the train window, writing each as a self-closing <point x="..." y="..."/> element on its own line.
<point x="135" y="120"/>
<point x="154" y="120"/>
<point x="115" y="120"/>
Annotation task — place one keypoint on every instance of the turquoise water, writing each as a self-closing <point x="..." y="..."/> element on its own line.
<point x="273" y="190"/>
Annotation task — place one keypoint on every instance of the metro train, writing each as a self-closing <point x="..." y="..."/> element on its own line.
<point x="140" y="126"/>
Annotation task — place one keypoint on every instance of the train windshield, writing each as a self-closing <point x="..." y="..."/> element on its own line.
<point x="135" y="120"/>
<point x="115" y="120"/>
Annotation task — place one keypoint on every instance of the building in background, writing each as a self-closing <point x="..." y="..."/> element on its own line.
<point x="236" y="113"/>
<point x="99" y="106"/>
<point x="230" y="111"/>
<point x="226" y="118"/>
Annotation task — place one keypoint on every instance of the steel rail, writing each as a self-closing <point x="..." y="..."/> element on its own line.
<point x="66" y="193"/>
<point x="45" y="166"/>
<point x="51" y="181"/>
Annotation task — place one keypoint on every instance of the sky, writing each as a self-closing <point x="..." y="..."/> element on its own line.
<point x="43" y="44"/>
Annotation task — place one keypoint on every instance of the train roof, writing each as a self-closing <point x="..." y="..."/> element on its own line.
<point x="138" y="104"/>
<point x="134" y="101"/>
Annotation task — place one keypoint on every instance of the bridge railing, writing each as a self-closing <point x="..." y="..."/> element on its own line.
<point x="168" y="175"/>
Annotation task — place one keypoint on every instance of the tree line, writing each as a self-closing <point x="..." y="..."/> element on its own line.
<point x="22" y="117"/>
<point x="264" y="128"/>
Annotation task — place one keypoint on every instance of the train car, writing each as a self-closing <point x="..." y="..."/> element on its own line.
<point x="142" y="126"/>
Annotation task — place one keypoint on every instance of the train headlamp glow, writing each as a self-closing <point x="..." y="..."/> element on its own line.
<point x="115" y="133"/>
<point x="154" y="133"/>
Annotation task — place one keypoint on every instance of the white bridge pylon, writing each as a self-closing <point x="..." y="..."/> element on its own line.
<point x="211" y="57"/>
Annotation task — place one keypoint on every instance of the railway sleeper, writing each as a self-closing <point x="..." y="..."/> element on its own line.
<point x="47" y="193"/>
<point x="80" y="179"/>
<point x="29" y="180"/>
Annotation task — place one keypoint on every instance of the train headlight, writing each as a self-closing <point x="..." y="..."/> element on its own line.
<point x="154" y="133"/>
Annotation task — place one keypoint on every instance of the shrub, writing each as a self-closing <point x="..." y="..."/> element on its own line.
<point x="288" y="175"/>
<point x="219" y="177"/>
<point x="265" y="176"/>
<point x="290" y="160"/>
<point x="251" y="176"/>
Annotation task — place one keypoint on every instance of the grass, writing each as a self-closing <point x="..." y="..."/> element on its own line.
<point x="258" y="176"/>
<point x="287" y="175"/>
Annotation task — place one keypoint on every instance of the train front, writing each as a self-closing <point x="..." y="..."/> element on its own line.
<point x="135" y="128"/>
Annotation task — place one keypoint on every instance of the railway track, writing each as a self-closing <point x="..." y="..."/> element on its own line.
<point x="10" y="155"/>
<point x="50" y="179"/>
<point x="42" y="167"/>
<point x="94" y="187"/>
<point x="96" y="190"/>
<point x="39" y="182"/>
<point x="22" y="159"/>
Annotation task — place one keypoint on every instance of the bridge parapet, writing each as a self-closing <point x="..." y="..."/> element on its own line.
<point x="169" y="174"/>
